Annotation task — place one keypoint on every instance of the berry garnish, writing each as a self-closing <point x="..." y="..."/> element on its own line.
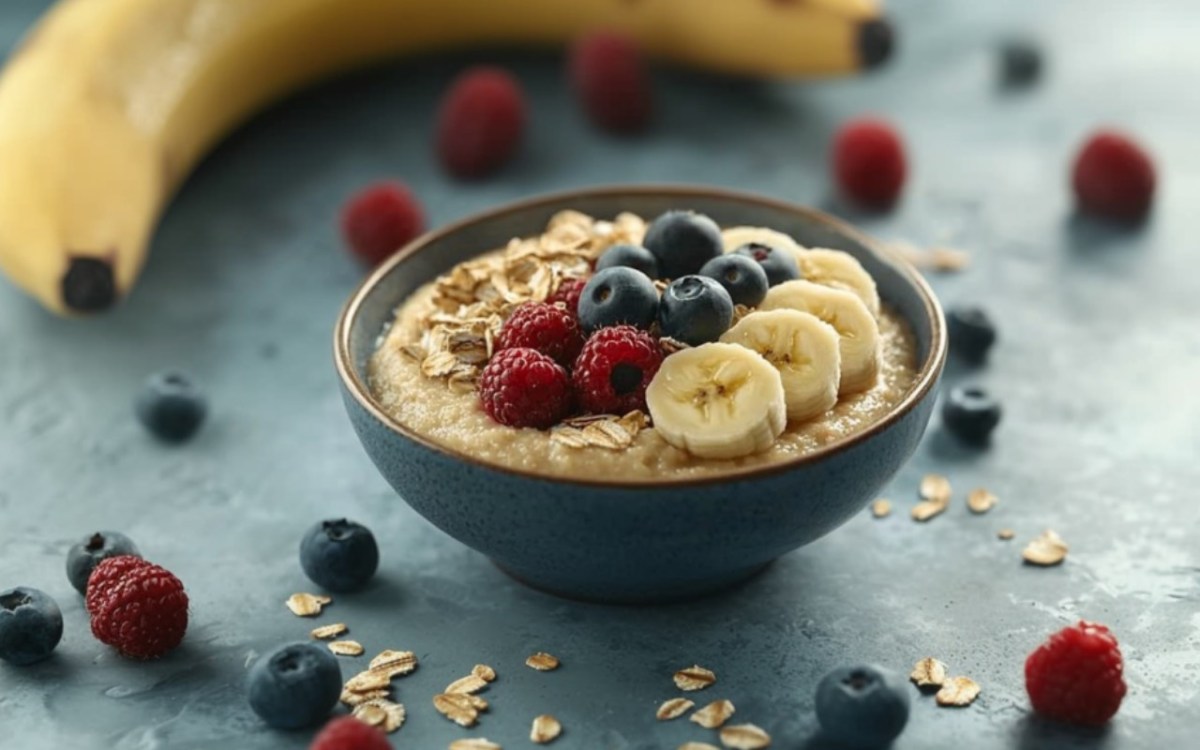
<point x="545" y="328"/>
<point x="683" y="241"/>
<point x="610" y="77"/>
<point x="295" y="686"/>
<point x="862" y="706"/>
<point x="631" y="256"/>
<point x="1113" y="177"/>
<point x="349" y="733"/>
<point x="744" y="278"/>
<point x="695" y="310"/>
<point x="379" y="220"/>
<point x="971" y="332"/>
<point x="137" y="607"/>
<point x="31" y="625"/>
<point x="1020" y="62"/>
<point x="524" y="388"/>
<point x="171" y="407"/>
<point x="481" y="120"/>
<point x="971" y="413"/>
<point x="616" y="296"/>
<point x="777" y="262"/>
<point x="614" y="369"/>
<point x="568" y="293"/>
<point x="868" y="162"/>
<point x="86" y="554"/>
<point x="1076" y="676"/>
<point x="339" y="555"/>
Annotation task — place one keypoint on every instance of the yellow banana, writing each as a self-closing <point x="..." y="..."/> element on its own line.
<point x="108" y="104"/>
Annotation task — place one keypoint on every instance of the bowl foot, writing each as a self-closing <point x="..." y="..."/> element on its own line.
<point x="610" y="593"/>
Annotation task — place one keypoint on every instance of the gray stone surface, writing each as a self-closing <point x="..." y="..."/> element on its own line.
<point x="1099" y="359"/>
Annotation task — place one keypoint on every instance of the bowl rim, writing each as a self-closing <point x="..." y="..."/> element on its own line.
<point x="927" y="374"/>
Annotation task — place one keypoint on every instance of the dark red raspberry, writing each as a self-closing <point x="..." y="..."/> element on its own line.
<point x="525" y="388"/>
<point x="568" y="293"/>
<point x="480" y="122"/>
<point x="380" y="219"/>
<point x="612" y="82"/>
<point x="614" y="368"/>
<point x="545" y="328"/>
<point x="137" y="607"/>
<point x="868" y="162"/>
<point x="1113" y="177"/>
<point x="1076" y="676"/>
<point x="348" y="733"/>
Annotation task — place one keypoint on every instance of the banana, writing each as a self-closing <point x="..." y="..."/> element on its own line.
<point x="717" y="401"/>
<point x="858" y="332"/>
<point x="107" y="105"/>
<point x="839" y="270"/>
<point x="804" y="350"/>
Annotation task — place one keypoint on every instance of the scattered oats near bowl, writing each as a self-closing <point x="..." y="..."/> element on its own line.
<point x="542" y="662"/>
<point x="694" y="677"/>
<point x="673" y="709"/>
<point x="1046" y="550"/>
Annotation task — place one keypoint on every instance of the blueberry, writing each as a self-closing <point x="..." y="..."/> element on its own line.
<point x="683" y="242"/>
<point x="295" y="686"/>
<point x="971" y="413"/>
<point x="630" y="256"/>
<point x="742" y="277"/>
<point x="86" y="554"/>
<point x="171" y="407"/>
<point x="618" y="295"/>
<point x="971" y="332"/>
<point x="862" y="706"/>
<point x="779" y="263"/>
<point x="340" y="555"/>
<point x="1020" y="62"/>
<point x="31" y="625"/>
<point x="695" y="310"/>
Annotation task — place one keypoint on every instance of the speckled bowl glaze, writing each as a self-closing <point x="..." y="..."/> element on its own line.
<point x="635" y="541"/>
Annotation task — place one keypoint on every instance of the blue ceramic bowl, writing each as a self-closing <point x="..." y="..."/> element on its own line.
<point x="635" y="540"/>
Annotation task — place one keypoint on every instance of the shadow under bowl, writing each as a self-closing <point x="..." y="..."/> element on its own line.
<point x="622" y="540"/>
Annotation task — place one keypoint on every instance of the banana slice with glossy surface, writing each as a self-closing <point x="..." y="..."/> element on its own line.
<point x="858" y="332"/>
<point x="839" y="270"/>
<point x="717" y="401"/>
<point x="803" y="348"/>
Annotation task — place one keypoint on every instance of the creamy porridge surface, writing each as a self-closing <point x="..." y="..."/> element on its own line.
<point x="452" y="416"/>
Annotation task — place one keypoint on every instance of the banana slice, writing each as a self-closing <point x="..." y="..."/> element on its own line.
<point x="858" y="333"/>
<point x="804" y="350"/>
<point x="841" y="271"/>
<point x="735" y="237"/>
<point x="717" y="401"/>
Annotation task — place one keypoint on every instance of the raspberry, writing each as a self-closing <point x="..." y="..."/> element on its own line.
<point x="548" y="329"/>
<point x="137" y="607"/>
<point x="348" y="733"/>
<point x="480" y="122"/>
<point x="1113" y="177"/>
<point x="868" y="162"/>
<point x="524" y="388"/>
<point x="568" y="293"/>
<point x="610" y="77"/>
<point x="1075" y="677"/>
<point x="614" y="368"/>
<point x="380" y="219"/>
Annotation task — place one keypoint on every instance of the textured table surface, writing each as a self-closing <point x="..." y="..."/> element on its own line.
<point x="1097" y="367"/>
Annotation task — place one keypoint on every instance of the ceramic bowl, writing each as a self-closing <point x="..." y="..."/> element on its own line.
<point x="628" y="540"/>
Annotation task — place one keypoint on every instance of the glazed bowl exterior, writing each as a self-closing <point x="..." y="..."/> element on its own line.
<point x="624" y="540"/>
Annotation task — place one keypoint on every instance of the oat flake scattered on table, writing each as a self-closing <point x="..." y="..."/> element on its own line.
<point x="745" y="737"/>
<point x="307" y="605"/>
<point x="394" y="663"/>
<point x="697" y="746"/>
<point x="881" y="508"/>
<point x="958" y="692"/>
<point x="980" y="500"/>
<point x="470" y="684"/>
<point x="714" y="714"/>
<point x="1006" y="534"/>
<point x="346" y="648"/>
<point x="935" y="488"/>
<point x="927" y="509"/>
<point x="1046" y="550"/>
<point x="474" y="743"/>
<point x="456" y="707"/>
<point x="484" y="672"/>
<point x="325" y="632"/>
<point x="545" y="729"/>
<point x="357" y="698"/>
<point x="694" y="677"/>
<point x="542" y="662"/>
<point x="673" y="709"/>
<point x="371" y="679"/>
<point x="928" y="673"/>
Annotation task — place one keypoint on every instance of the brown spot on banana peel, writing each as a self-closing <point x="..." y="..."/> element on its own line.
<point x="88" y="284"/>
